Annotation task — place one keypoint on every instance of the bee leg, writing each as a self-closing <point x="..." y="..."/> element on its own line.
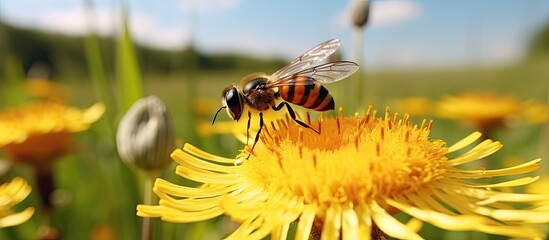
<point x="248" y="127"/>
<point x="258" y="131"/>
<point x="293" y="116"/>
<point x="256" y="139"/>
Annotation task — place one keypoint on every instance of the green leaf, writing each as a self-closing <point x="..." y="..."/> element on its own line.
<point x="128" y="75"/>
<point x="13" y="92"/>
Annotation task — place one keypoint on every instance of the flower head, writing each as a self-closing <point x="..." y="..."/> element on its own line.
<point x="360" y="12"/>
<point x="11" y="194"/>
<point x="45" y="89"/>
<point x="415" y="106"/>
<point x="354" y="175"/>
<point x="145" y="135"/>
<point x="41" y="131"/>
<point x="487" y="110"/>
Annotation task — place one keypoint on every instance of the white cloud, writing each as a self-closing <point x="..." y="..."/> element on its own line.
<point x="146" y="29"/>
<point x="72" y="21"/>
<point x="502" y="52"/>
<point x="385" y="13"/>
<point x="208" y="6"/>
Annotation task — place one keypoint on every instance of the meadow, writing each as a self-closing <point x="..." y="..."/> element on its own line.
<point x="96" y="193"/>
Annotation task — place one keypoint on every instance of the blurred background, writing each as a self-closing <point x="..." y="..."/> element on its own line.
<point x="185" y="52"/>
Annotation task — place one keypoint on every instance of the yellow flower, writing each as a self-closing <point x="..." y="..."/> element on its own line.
<point x="535" y="112"/>
<point x="347" y="182"/>
<point x="41" y="131"/>
<point x="487" y="110"/>
<point x="415" y="106"/>
<point x="11" y="194"/>
<point x="205" y="107"/>
<point x="45" y="89"/>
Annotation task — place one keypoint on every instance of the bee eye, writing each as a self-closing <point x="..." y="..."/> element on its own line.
<point x="234" y="103"/>
<point x="257" y="83"/>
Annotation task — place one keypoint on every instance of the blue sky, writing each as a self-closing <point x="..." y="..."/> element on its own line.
<point x="400" y="34"/>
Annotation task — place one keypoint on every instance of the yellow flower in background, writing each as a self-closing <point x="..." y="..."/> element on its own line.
<point x="479" y="108"/>
<point x="11" y="194"/>
<point x="45" y="89"/>
<point x="41" y="131"/>
<point x="535" y="112"/>
<point x="205" y="107"/>
<point x="415" y="106"/>
<point x="349" y="181"/>
<point x="487" y="110"/>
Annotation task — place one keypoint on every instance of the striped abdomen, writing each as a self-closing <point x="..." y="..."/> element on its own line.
<point x="312" y="96"/>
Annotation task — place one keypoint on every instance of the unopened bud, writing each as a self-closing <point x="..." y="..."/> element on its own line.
<point x="145" y="136"/>
<point x="360" y="11"/>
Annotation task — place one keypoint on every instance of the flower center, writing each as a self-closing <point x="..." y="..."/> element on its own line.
<point x="352" y="160"/>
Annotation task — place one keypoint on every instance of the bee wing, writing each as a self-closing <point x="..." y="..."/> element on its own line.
<point x="308" y="59"/>
<point x="325" y="73"/>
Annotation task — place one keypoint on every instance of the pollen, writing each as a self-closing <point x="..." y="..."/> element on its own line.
<point x="354" y="159"/>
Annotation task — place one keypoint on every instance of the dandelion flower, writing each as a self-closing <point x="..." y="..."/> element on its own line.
<point x="11" y="194"/>
<point x="415" y="106"/>
<point x="204" y="107"/>
<point x="45" y="89"/>
<point x="348" y="182"/>
<point x="41" y="131"/>
<point x="535" y="112"/>
<point x="487" y="110"/>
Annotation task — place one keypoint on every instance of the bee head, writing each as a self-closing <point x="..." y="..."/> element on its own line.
<point x="232" y="101"/>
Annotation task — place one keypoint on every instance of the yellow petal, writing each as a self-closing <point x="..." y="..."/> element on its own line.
<point x="483" y="149"/>
<point x="16" y="218"/>
<point x="201" y="175"/>
<point x="464" y="142"/>
<point x="201" y="154"/>
<point x="467" y="222"/>
<point x="518" y="169"/>
<point x="365" y="218"/>
<point x="184" y="159"/>
<point x="280" y="232"/>
<point x="305" y="222"/>
<point x="350" y="224"/>
<point x="414" y="224"/>
<point x="203" y="192"/>
<point x="525" y="216"/>
<point x="389" y="225"/>
<point x="511" y="183"/>
<point x="332" y="223"/>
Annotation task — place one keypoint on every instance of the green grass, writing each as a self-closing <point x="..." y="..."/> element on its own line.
<point x="96" y="188"/>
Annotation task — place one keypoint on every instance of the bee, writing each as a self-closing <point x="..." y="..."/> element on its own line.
<point x="300" y="83"/>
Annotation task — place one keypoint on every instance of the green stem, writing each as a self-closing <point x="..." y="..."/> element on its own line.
<point x="148" y="197"/>
<point x="356" y="83"/>
<point x="45" y="183"/>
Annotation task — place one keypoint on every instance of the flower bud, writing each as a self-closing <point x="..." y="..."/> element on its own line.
<point x="360" y="11"/>
<point x="145" y="136"/>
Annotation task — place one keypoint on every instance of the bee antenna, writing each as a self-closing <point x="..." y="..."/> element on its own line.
<point x="215" y="116"/>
